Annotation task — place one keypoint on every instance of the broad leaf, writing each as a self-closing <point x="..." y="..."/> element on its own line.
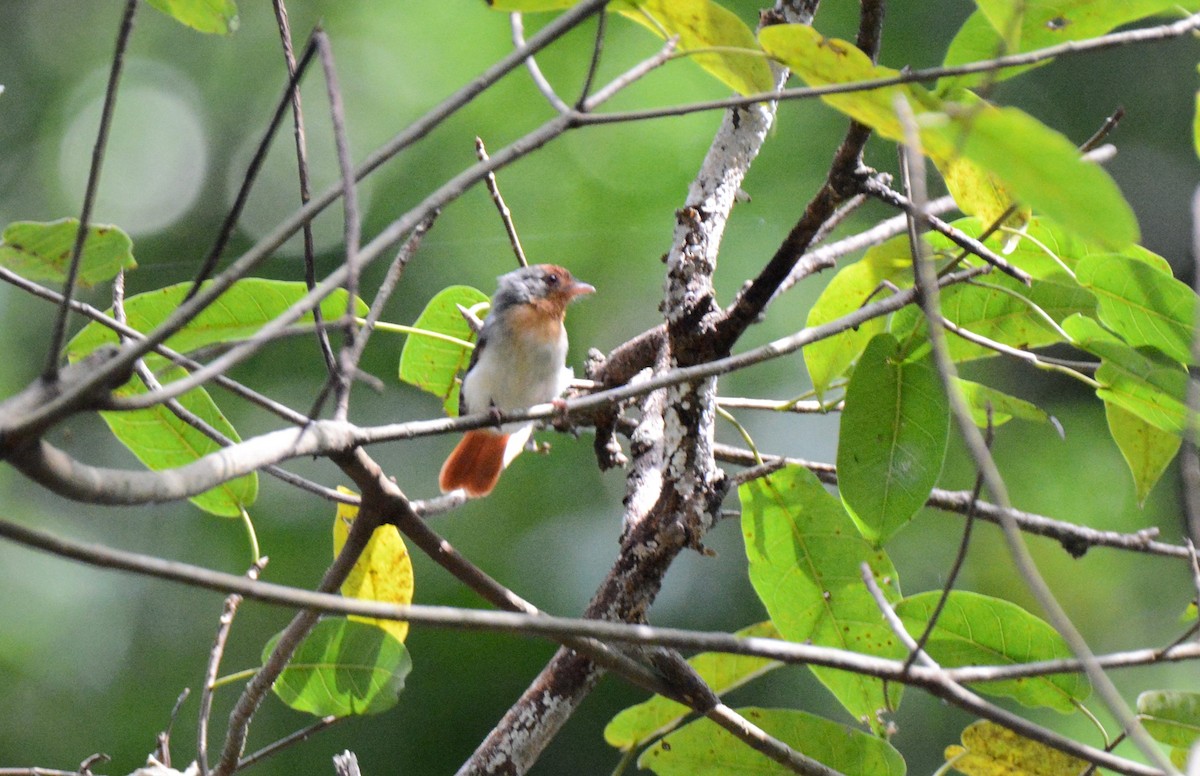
<point x="714" y="36"/>
<point x="42" y="251"/>
<point x="980" y="398"/>
<point x="1143" y="382"/>
<point x="161" y="440"/>
<point x="1141" y="304"/>
<point x="721" y="671"/>
<point x="1043" y="23"/>
<point x="236" y="315"/>
<point x="975" y="629"/>
<point x="383" y="572"/>
<point x="343" y="668"/>
<point x="1171" y="716"/>
<point x="851" y="287"/>
<point x="805" y="557"/>
<point x="892" y="439"/>
<point x="991" y="750"/>
<point x="432" y="363"/>
<point x="702" y="748"/>
<point x="1147" y="450"/>
<point x="214" y="16"/>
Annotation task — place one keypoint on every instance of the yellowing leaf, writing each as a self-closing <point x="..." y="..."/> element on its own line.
<point x="991" y="750"/>
<point x="383" y="572"/>
<point x="723" y="44"/>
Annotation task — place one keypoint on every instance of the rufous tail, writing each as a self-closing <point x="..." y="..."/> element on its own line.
<point x="476" y="463"/>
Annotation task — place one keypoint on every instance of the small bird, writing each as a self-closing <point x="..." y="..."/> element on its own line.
<point x="518" y="361"/>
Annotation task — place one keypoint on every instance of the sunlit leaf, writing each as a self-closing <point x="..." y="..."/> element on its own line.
<point x="343" y="668"/>
<point x="721" y="671"/>
<point x="1141" y="304"/>
<point x="850" y="288"/>
<point x="702" y="748"/>
<point x="1147" y="450"/>
<point x="383" y="572"/>
<point x="41" y="251"/>
<point x="215" y="16"/>
<point x="976" y="629"/>
<point x="892" y="439"/>
<point x="1004" y="407"/>
<point x="1043" y="23"/>
<point x="991" y="750"/>
<point x="805" y="556"/>
<point x="1143" y="382"/>
<point x="433" y="363"/>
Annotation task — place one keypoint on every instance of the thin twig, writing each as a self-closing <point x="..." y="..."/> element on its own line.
<point x="594" y="63"/>
<point x="498" y="199"/>
<point x="535" y="73"/>
<point x="58" y="332"/>
<point x="310" y="270"/>
<point x="303" y="734"/>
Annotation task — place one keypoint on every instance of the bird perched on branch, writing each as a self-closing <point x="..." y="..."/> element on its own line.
<point x="518" y="361"/>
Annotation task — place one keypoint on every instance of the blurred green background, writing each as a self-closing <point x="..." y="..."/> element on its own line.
<point x="93" y="660"/>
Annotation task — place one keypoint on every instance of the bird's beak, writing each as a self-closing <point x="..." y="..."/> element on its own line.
<point x="579" y="288"/>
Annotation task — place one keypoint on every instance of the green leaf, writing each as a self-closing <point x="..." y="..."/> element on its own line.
<point x="432" y="363"/>
<point x="636" y="725"/>
<point x="237" y="314"/>
<point x="1043" y="23"/>
<point x="41" y="251"/>
<point x="1143" y="382"/>
<point x="1003" y="406"/>
<point x="1043" y="169"/>
<point x="1147" y="450"/>
<point x="343" y="668"/>
<point x="160" y="440"/>
<point x="155" y="435"/>
<point x="830" y="358"/>
<point x="892" y="440"/>
<point x="213" y="16"/>
<point x="714" y="36"/>
<point x="976" y="629"/>
<point x="992" y="750"/>
<point x="1171" y="716"/>
<point x="805" y="556"/>
<point x="1141" y="304"/>
<point x="703" y="748"/>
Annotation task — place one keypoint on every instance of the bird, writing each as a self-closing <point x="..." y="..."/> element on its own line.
<point x="518" y="361"/>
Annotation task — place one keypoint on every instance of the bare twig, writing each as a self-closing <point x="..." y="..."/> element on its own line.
<point x="303" y="734"/>
<point x="58" y="331"/>
<point x="535" y="73"/>
<point x="498" y="199"/>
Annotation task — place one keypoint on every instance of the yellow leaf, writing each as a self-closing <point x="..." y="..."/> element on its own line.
<point x="991" y="750"/>
<point x="383" y="572"/>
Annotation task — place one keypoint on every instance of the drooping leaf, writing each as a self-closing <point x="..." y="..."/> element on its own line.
<point x="213" y="16"/>
<point x="1143" y="382"/>
<point x="383" y="572"/>
<point x="892" y="439"/>
<point x="161" y="440"/>
<point x="1043" y="23"/>
<point x="805" y="556"/>
<point x="976" y="629"/>
<point x="1042" y="169"/>
<point x="1141" y="304"/>
<point x="702" y="748"/>
<point x="830" y="358"/>
<point x="433" y="363"/>
<point x="723" y="44"/>
<point x="991" y="750"/>
<point x="343" y="668"/>
<point x="1147" y="450"/>
<point x="1171" y="716"/>
<point x="41" y="251"/>
<point x="1004" y="407"/>
<point x="636" y="725"/>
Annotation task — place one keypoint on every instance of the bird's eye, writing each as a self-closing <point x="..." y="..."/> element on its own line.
<point x="552" y="279"/>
